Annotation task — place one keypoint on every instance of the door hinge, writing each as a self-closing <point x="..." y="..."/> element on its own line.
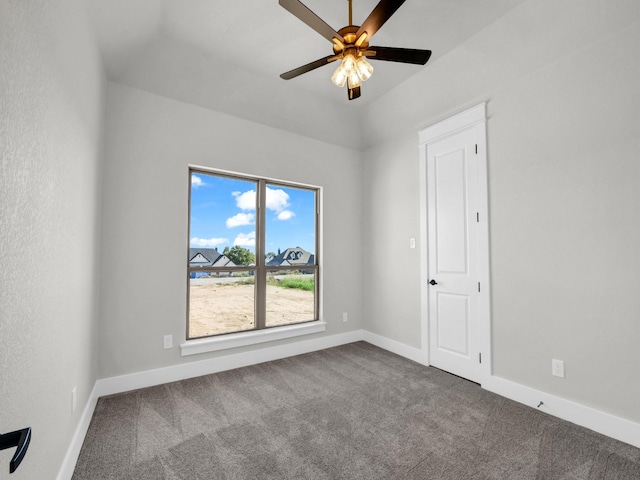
<point x="478" y="217"/>
<point x="476" y="148"/>
<point x="480" y="357"/>
<point x="478" y="286"/>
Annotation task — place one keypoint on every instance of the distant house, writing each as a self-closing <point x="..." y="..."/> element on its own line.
<point x="208" y="257"/>
<point x="292" y="257"/>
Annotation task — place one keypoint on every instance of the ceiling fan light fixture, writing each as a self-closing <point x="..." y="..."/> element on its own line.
<point x="353" y="70"/>
<point x="344" y="70"/>
<point x="339" y="77"/>
<point x="365" y="69"/>
<point x="354" y="80"/>
<point x="349" y="62"/>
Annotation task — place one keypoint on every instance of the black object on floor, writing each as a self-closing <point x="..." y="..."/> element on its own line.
<point x="20" y="439"/>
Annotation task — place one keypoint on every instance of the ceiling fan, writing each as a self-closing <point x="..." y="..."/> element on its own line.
<point x="351" y="45"/>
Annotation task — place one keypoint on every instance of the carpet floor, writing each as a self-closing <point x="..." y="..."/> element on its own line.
<point x="350" y="412"/>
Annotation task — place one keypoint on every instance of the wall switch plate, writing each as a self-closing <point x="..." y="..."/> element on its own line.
<point x="168" y="341"/>
<point x="345" y="317"/>
<point x="557" y="368"/>
<point x="412" y="243"/>
<point x="74" y="400"/>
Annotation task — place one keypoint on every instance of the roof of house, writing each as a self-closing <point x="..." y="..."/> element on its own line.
<point x="293" y="256"/>
<point x="208" y="257"/>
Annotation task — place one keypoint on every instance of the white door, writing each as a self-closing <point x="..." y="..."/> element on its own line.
<point x="453" y="266"/>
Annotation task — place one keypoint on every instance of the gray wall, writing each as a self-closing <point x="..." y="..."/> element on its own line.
<point x="150" y="142"/>
<point x="562" y="82"/>
<point x="50" y="147"/>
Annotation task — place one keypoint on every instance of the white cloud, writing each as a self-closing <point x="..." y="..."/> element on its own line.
<point x="245" y="239"/>
<point x="196" y="181"/>
<point x="246" y="200"/>
<point x="241" y="219"/>
<point x="208" y="242"/>
<point x="286" y="215"/>
<point x="277" y="200"/>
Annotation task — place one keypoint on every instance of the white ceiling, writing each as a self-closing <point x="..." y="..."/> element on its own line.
<point x="224" y="46"/>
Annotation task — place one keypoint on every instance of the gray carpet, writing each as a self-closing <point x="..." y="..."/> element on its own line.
<point x="351" y="412"/>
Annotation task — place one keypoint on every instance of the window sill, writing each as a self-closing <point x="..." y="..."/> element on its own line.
<point x="242" y="339"/>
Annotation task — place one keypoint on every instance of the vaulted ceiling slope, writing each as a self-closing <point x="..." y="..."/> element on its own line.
<point x="227" y="56"/>
<point x="531" y="41"/>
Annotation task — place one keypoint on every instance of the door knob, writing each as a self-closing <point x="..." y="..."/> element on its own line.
<point x="433" y="282"/>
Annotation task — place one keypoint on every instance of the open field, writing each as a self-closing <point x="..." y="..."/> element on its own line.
<point x="224" y="305"/>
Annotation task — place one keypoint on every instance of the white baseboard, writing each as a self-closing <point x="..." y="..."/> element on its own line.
<point x="73" y="452"/>
<point x="411" y="353"/>
<point x="615" y="427"/>
<point x="174" y="373"/>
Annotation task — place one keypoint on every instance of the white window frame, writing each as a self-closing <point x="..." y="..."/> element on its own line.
<point x="262" y="334"/>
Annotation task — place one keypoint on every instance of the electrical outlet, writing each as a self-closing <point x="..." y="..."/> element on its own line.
<point x="345" y="317"/>
<point x="557" y="368"/>
<point x="74" y="401"/>
<point x="168" y="341"/>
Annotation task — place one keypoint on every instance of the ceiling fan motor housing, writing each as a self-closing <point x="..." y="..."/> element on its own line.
<point x="349" y="35"/>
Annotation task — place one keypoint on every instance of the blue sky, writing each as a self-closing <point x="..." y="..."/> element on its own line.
<point x="223" y="214"/>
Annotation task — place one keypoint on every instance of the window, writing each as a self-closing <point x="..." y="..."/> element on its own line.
<point x="253" y="261"/>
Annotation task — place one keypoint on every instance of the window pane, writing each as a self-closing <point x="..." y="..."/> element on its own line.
<point x="222" y="227"/>
<point x="221" y="304"/>
<point x="222" y="234"/>
<point x="290" y="297"/>
<point x="290" y="226"/>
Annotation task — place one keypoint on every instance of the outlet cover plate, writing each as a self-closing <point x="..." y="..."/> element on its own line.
<point x="557" y="368"/>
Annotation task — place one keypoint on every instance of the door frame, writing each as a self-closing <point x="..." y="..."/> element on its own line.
<point x="473" y="118"/>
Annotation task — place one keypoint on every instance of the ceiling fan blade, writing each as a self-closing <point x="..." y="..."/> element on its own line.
<point x="353" y="93"/>
<point x="378" y="17"/>
<point x="402" y="55"/>
<point x="307" y="16"/>
<point x="306" y="68"/>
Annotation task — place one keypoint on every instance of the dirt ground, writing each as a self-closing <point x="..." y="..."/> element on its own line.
<point x="227" y="307"/>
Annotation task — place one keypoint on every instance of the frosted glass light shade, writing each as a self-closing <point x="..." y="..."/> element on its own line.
<point x="349" y="62"/>
<point x="339" y="77"/>
<point x="354" y="79"/>
<point x="365" y="69"/>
